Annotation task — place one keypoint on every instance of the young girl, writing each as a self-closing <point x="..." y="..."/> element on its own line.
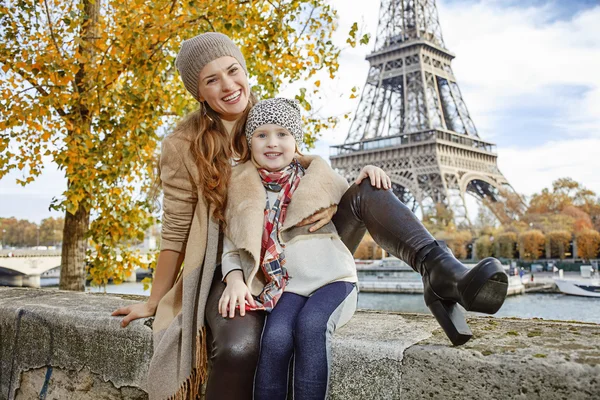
<point x="305" y="281"/>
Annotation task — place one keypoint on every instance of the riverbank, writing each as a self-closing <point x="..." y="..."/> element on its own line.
<point x="548" y="306"/>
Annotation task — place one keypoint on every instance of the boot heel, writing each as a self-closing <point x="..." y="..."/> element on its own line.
<point x="486" y="288"/>
<point x="490" y="297"/>
<point x="452" y="321"/>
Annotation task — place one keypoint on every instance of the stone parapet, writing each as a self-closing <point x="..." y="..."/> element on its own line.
<point x="65" y="345"/>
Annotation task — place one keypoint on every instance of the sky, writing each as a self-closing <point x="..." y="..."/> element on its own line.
<point x="527" y="70"/>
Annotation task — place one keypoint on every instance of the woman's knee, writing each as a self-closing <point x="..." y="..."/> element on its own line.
<point x="237" y="349"/>
<point x="236" y="339"/>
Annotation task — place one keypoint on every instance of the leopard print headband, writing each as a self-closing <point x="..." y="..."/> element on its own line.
<point x="277" y="111"/>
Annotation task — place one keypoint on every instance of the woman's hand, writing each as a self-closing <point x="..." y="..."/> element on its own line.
<point x="235" y="293"/>
<point x="377" y="176"/>
<point x="321" y="218"/>
<point x="135" y="311"/>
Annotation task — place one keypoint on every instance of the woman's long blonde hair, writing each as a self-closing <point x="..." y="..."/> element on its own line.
<point x="213" y="148"/>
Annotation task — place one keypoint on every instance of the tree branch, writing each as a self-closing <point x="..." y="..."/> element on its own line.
<point x="173" y="3"/>
<point x="29" y="88"/>
<point x="50" y="27"/>
<point x="209" y="23"/>
<point x="305" y="25"/>
<point x="35" y="86"/>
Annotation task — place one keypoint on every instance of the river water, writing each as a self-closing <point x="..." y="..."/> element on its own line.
<point x="534" y="305"/>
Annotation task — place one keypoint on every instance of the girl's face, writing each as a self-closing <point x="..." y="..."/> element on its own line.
<point x="224" y="86"/>
<point x="273" y="147"/>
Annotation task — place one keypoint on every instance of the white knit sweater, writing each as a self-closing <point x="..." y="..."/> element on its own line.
<point x="312" y="261"/>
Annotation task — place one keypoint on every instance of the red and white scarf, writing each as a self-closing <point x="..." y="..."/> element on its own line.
<point x="272" y="257"/>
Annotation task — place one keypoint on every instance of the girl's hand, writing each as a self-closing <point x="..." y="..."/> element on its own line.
<point x="321" y="218"/>
<point x="135" y="311"/>
<point x="235" y="293"/>
<point x="377" y="176"/>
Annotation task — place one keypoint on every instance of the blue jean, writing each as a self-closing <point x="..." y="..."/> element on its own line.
<point x="302" y="327"/>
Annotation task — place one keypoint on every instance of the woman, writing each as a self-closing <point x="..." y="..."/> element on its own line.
<point x="195" y="168"/>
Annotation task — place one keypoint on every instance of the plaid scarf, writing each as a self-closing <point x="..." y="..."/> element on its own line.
<point x="272" y="257"/>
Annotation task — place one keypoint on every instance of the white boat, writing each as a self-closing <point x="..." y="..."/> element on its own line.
<point x="585" y="286"/>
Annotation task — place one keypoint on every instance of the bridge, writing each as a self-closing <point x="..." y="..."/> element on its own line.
<point x="27" y="270"/>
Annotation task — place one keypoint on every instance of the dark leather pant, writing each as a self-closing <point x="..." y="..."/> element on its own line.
<point x="236" y="342"/>
<point x="234" y="348"/>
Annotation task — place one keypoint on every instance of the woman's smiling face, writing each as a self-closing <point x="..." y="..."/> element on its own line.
<point x="224" y="86"/>
<point x="273" y="147"/>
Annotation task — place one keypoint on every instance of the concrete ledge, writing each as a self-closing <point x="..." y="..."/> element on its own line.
<point x="67" y="345"/>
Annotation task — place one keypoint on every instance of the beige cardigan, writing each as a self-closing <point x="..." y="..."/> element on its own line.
<point x="179" y="365"/>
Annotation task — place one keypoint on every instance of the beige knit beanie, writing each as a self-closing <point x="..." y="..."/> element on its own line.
<point x="198" y="51"/>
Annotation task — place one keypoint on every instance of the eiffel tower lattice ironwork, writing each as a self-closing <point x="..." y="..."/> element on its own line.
<point x="412" y="121"/>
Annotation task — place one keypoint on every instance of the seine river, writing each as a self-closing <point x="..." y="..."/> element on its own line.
<point x="533" y="305"/>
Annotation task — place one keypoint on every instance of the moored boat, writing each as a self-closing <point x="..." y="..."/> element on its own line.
<point x="586" y="285"/>
<point x="579" y="287"/>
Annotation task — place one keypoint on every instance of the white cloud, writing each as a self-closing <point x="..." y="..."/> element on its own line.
<point x="509" y="55"/>
<point x="506" y="57"/>
<point x="531" y="169"/>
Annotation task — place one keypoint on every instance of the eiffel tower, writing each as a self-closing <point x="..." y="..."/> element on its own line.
<point x="412" y="122"/>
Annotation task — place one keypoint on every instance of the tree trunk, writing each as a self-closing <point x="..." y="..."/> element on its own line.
<point x="72" y="271"/>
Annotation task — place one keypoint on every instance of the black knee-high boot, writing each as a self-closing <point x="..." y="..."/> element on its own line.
<point x="445" y="280"/>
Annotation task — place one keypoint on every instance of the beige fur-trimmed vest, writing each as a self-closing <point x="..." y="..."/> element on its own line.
<point x="320" y="188"/>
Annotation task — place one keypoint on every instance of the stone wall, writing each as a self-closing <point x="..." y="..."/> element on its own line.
<point x="65" y="345"/>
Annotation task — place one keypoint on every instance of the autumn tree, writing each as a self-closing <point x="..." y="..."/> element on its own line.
<point x="90" y="83"/>
<point x="557" y="243"/>
<point x="484" y="247"/>
<point x="506" y="243"/>
<point x="588" y="244"/>
<point x="565" y="210"/>
<point x="19" y="232"/>
<point x="368" y="249"/>
<point x="51" y="231"/>
<point x="439" y="218"/>
<point x="531" y="244"/>
<point x="457" y="242"/>
<point x="568" y="202"/>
